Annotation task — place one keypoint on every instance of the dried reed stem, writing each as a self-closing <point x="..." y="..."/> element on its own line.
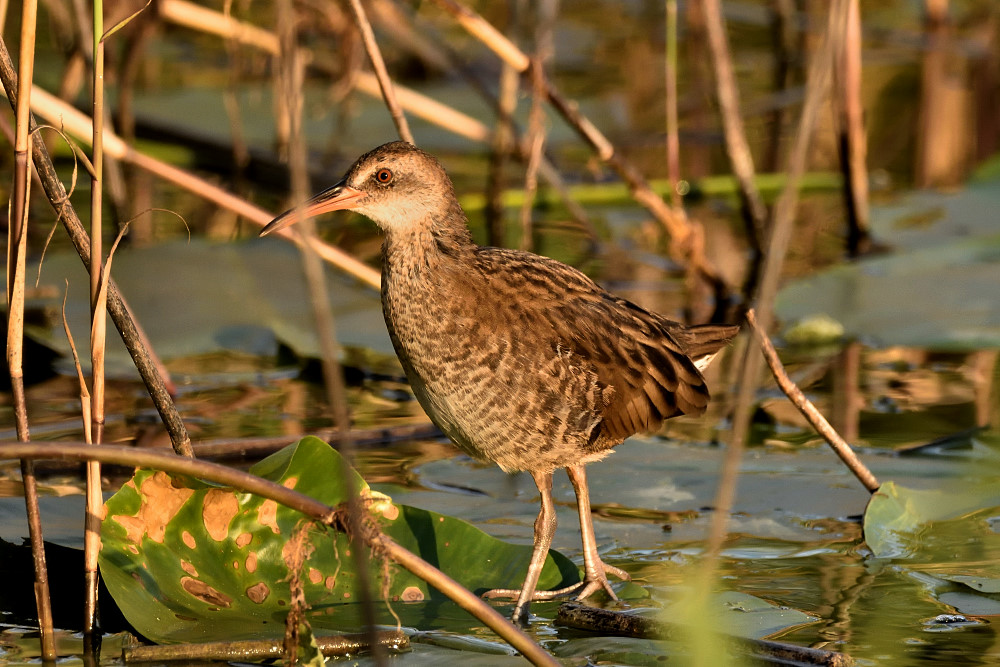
<point x="98" y="330"/>
<point x="244" y="481"/>
<point x="670" y="86"/>
<point x="736" y="142"/>
<point x="853" y="143"/>
<point x="784" y="217"/>
<point x="809" y="411"/>
<point x="547" y="12"/>
<point x="17" y="248"/>
<point x="131" y="335"/>
<point x="98" y="319"/>
<point x="291" y="73"/>
<point x="381" y="73"/>
<point x="536" y="143"/>
<point x="502" y="142"/>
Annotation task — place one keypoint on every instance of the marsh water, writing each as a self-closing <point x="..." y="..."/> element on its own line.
<point x="908" y="370"/>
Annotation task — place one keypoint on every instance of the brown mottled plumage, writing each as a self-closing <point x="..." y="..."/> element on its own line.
<point x="519" y="359"/>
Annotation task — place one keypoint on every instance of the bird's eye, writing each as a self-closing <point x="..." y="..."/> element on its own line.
<point x="383" y="176"/>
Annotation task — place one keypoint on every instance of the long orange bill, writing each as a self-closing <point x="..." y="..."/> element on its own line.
<point x="335" y="198"/>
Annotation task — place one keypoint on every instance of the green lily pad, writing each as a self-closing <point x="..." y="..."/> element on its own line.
<point x="190" y="561"/>
<point x="901" y="522"/>
<point x="747" y="615"/>
<point x="942" y="537"/>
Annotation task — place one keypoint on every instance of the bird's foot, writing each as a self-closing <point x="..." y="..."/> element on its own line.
<point x="592" y="581"/>
<point x="596" y="577"/>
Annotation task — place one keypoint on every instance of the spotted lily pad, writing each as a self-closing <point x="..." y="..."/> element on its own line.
<point x="190" y="561"/>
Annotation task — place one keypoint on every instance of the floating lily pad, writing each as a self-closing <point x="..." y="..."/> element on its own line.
<point x="942" y="537"/>
<point x="902" y="522"/>
<point x="189" y="561"/>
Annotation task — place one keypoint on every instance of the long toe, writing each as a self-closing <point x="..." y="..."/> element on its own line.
<point x="515" y="593"/>
<point x="520" y="614"/>
<point x="596" y="578"/>
<point x="592" y="582"/>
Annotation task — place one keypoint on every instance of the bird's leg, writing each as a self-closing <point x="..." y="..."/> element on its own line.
<point x="545" y="528"/>
<point x="595" y="570"/>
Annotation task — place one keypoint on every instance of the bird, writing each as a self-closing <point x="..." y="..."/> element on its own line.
<point x="518" y="358"/>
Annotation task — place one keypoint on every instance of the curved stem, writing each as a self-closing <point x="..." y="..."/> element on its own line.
<point x="214" y="472"/>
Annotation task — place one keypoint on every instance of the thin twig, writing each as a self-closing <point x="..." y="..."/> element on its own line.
<point x="17" y="248"/>
<point x="244" y="481"/>
<point x="378" y="64"/>
<point x="809" y="411"/>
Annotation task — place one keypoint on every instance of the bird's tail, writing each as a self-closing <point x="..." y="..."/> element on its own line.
<point x="703" y="341"/>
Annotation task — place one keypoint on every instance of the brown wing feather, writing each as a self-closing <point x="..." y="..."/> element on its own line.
<point x="633" y="352"/>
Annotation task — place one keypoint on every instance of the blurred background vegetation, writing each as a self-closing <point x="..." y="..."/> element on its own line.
<point x="888" y="314"/>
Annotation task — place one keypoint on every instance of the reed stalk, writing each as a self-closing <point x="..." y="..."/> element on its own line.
<point x="810" y="412"/>
<point x="737" y="148"/>
<point x="501" y="143"/>
<point x="98" y="330"/>
<point x="547" y="11"/>
<point x="852" y="140"/>
<point x="381" y="73"/>
<point x="290" y="71"/>
<point x="17" y="248"/>
<point x="784" y="217"/>
<point x="670" y="87"/>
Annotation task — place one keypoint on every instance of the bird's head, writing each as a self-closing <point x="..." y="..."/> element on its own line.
<point x="397" y="185"/>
